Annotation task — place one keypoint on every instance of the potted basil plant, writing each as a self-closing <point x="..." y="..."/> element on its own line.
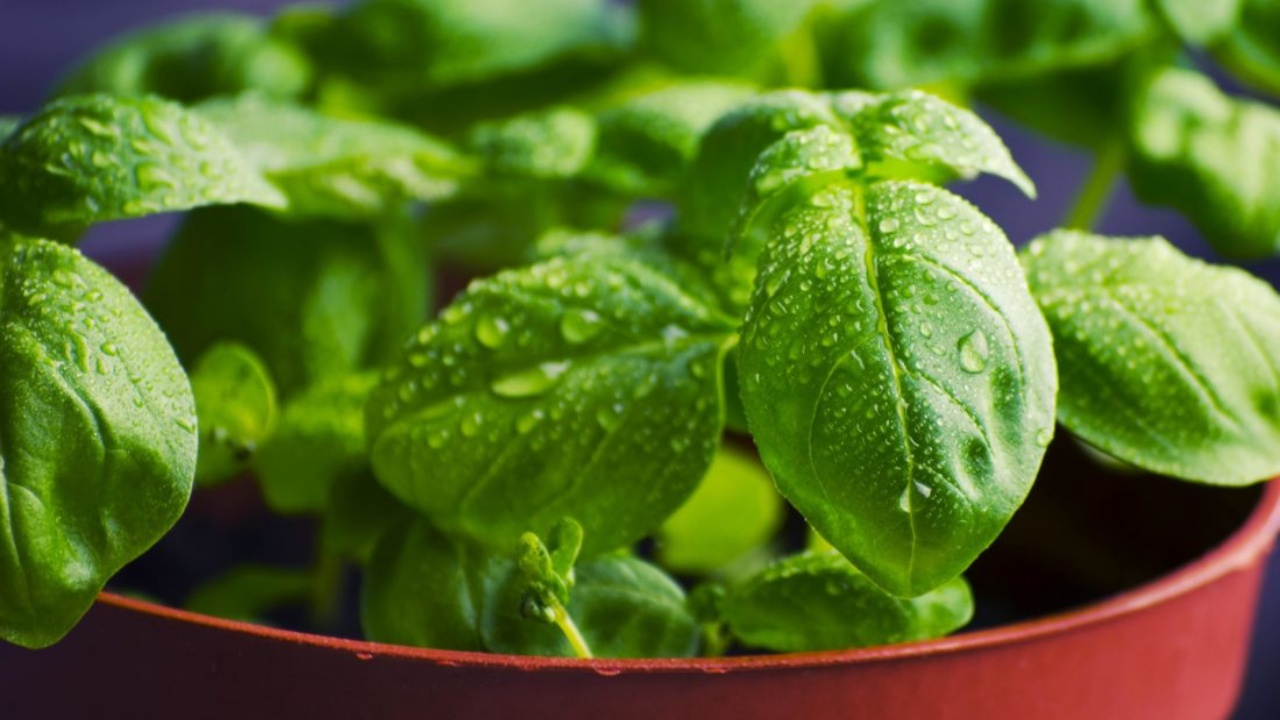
<point x="495" y="467"/>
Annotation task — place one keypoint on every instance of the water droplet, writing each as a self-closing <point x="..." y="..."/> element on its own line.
<point x="579" y="326"/>
<point x="888" y="225"/>
<point x="924" y="490"/>
<point x="529" y="383"/>
<point x="526" y="423"/>
<point x="904" y="500"/>
<point x="110" y="349"/>
<point x="973" y="352"/>
<point x="470" y="426"/>
<point x="492" y="331"/>
<point x="610" y="417"/>
<point x="1044" y="436"/>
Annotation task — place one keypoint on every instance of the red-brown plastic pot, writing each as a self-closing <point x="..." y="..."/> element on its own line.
<point x="1171" y="649"/>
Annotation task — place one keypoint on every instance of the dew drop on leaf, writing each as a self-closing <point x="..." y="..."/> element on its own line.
<point x="973" y="352"/>
<point x="580" y="326"/>
<point x="492" y="331"/>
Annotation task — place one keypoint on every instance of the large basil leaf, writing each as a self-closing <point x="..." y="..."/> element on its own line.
<point x="734" y="511"/>
<point x="1215" y="159"/>
<point x="897" y="378"/>
<point x="720" y="37"/>
<point x="334" y="167"/>
<point x="236" y="406"/>
<point x="1252" y="49"/>
<point x="424" y="588"/>
<point x="1167" y="363"/>
<point x="195" y="58"/>
<point x="553" y="143"/>
<point x="97" y="436"/>
<point x="320" y="439"/>
<point x="888" y="44"/>
<point x="818" y="601"/>
<point x="586" y="388"/>
<point x="92" y="158"/>
<point x="313" y="299"/>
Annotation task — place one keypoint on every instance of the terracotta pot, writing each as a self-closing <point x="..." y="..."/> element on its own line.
<point x="1170" y="649"/>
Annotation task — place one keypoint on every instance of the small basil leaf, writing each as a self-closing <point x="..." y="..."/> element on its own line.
<point x="914" y="134"/>
<point x="554" y="143"/>
<point x="898" y="378"/>
<point x="802" y="161"/>
<point x="623" y="606"/>
<point x="320" y="438"/>
<point x="195" y="58"/>
<point x="1200" y="21"/>
<point x="236" y="405"/>
<point x="646" y="142"/>
<point x="720" y="37"/>
<point x="841" y="608"/>
<point x="585" y="388"/>
<point x="97" y="436"/>
<point x="423" y="589"/>
<point x="1167" y="363"/>
<point x="1252" y="49"/>
<point x="351" y="293"/>
<point x="334" y="167"/>
<point x="93" y="158"/>
<point x="8" y="123"/>
<point x="889" y="45"/>
<point x="357" y="511"/>
<point x="1214" y="158"/>
<point x="249" y="592"/>
<point x="734" y="511"/>
<point x="713" y="190"/>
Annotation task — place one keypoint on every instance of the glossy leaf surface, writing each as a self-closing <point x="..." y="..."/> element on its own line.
<point x="818" y="601"/>
<point x="585" y="388"/>
<point x="97" y="436"/>
<point x="236" y="405"/>
<point x="93" y="158"/>
<point x="1167" y="363"/>
<point x="1201" y="21"/>
<point x="897" y="378"/>
<point x="328" y="166"/>
<point x="1214" y="158"/>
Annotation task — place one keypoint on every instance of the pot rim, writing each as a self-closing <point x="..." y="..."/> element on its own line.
<point x="1244" y="548"/>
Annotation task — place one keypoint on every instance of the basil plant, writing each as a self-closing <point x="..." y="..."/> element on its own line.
<point x="551" y="461"/>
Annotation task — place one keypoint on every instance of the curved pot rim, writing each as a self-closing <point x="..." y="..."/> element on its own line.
<point x="1245" y="547"/>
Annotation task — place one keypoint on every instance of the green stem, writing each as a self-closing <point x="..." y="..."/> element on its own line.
<point x="570" y="630"/>
<point x="1095" y="193"/>
<point x="801" y="64"/>
<point x="326" y="590"/>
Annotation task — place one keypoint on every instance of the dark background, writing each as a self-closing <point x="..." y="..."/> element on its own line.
<point x="40" y="40"/>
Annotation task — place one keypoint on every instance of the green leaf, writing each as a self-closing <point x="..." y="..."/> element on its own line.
<point x="586" y="388"/>
<point x="1252" y="49"/>
<point x="357" y="511"/>
<point x="440" y="43"/>
<point x="914" y="134"/>
<point x="97" y="436"/>
<point x="1167" y="363"/>
<point x="720" y="37"/>
<point x="841" y="608"/>
<point x="1081" y="106"/>
<point x="8" y="123"/>
<point x="888" y="45"/>
<point x="716" y="182"/>
<point x="897" y="378"/>
<point x="320" y="438"/>
<point x="1215" y="159"/>
<point x="236" y="406"/>
<point x="333" y="167"/>
<point x="424" y="588"/>
<point x="350" y="295"/>
<point x="554" y="143"/>
<point x="646" y="142"/>
<point x="734" y="511"/>
<point x="248" y="592"/>
<point x="1200" y="21"/>
<point x="94" y="158"/>
<point x="194" y="58"/>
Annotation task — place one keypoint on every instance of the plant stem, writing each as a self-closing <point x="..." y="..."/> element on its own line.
<point x="801" y="65"/>
<point x="570" y="630"/>
<point x="326" y="590"/>
<point x="1095" y="193"/>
